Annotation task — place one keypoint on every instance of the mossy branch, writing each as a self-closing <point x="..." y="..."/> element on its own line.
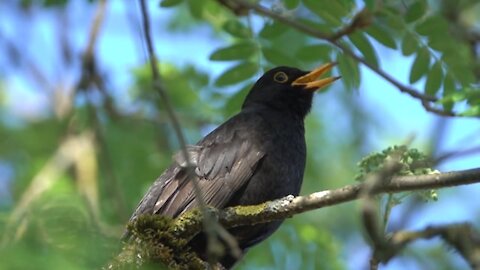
<point x="160" y="239"/>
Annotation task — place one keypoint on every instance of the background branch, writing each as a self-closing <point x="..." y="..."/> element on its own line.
<point x="242" y="5"/>
<point x="211" y="228"/>
<point x="463" y="237"/>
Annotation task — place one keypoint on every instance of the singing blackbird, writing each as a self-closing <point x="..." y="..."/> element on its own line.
<point x="255" y="156"/>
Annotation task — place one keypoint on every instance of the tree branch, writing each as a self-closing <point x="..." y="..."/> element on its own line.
<point x="289" y="206"/>
<point x="244" y="6"/>
<point x="463" y="237"/>
<point x="190" y="224"/>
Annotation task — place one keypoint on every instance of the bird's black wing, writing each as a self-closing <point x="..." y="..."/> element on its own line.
<point x="223" y="162"/>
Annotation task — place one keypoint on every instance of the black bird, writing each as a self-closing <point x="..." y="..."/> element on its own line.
<point x="255" y="156"/>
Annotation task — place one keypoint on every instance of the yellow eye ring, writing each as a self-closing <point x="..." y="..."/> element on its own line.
<point x="280" y="77"/>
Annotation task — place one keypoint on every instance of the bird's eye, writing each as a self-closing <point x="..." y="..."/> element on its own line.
<point x="280" y="77"/>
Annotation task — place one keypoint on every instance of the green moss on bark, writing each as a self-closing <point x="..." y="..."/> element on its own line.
<point x="154" y="240"/>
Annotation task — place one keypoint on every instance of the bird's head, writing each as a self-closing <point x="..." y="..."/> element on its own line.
<point x="288" y="89"/>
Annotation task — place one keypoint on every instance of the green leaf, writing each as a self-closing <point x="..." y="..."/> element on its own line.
<point x="236" y="29"/>
<point x="52" y="3"/>
<point x="394" y="20"/>
<point x="272" y="30"/>
<point x="238" y="51"/>
<point x="440" y="43"/>
<point x="448" y="85"/>
<point x="338" y="9"/>
<point x="349" y="70"/>
<point x="473" y="111"/>
<point x="409" y="44"/>
<point x="459" y="67"/>
<point x="196" y="8"/>
<point x="448" y="89"/>
<point x="234" y="103"/>
<point x="475" y="102"/>
<point x="473" y="95"/>
<point x="382" y="36"/>
<point x="370" y="4"/>
<point x="278" y="57"/>
<point x="465" y="76"/>
<point x="365" y="47"/>
<point x="170" y="3"/>
<point x="291" y="4"/>
<point x="432" y="25"/>
<point x="416" y="11"/>
<point x="314" y="53"/>
<point x="321" y="9"/>
<point x="434" y="79"/>
<point x="238" y="73"/>
<point x="455" y="97"/>
<point x="420" y="65"/>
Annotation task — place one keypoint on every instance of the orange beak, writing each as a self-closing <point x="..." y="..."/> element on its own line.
<point x="309" y="81"/>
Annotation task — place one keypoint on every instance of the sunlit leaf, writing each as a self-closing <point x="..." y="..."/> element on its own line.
<point x="237" y="74"/>
<point x="241" y="50"/>
<point x="420" y="66"/>
<point x="473" y="111"/>
<point x="473" y="95"/>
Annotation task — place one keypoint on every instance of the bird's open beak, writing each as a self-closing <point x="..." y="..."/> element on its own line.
<point x="309" y="81"/>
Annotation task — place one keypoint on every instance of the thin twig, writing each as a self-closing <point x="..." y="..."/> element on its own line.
<point x="457" y="154"/>
<point x="463" y="237"/>
<point x="19" y="57"/>
<point x="114" y="190"/>
<point x="90" y="77"/>
<point x="332" y="39"/>
<point x="373" y="228"/>
<point x="362" y="19"/>
<point x="429" y="108"/>
<point x="210" y="225"/>
<point x="369" y="209"/>
<point x="95" y="29"/>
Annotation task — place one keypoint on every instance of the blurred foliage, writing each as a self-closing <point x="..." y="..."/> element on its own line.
<point x="412" y="162"/>
<point x="53" y="216"/>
